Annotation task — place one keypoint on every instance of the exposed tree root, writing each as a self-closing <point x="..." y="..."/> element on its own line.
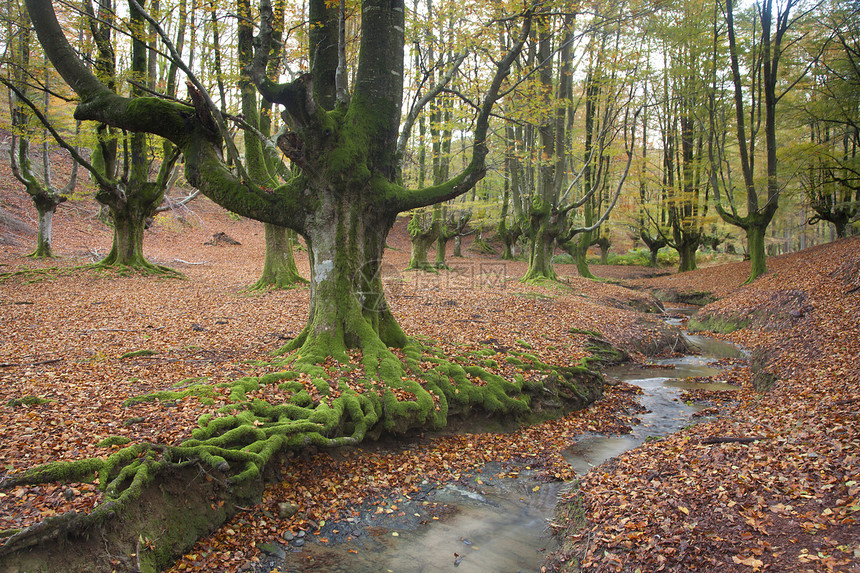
<point x="331" y="402"/>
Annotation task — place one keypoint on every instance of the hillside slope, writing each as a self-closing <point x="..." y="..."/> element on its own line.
<point x="774" y="483"/>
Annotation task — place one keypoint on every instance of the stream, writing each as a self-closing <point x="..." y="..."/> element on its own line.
<point x="499" y="524"/>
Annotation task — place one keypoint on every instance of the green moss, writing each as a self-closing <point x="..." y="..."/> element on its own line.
<point x="136" y="353"/>
<point x="27" y="401"/>
<point x="603" y="353"/>
<point x="523" y="343"/>
<point x="302" y="399"/>
<point x="275" y="377"/>
<point x="113" y="441"/>
<point x="190" y="381"/>
<point x="321" y="386"/>
<point x="239" y="388"/>
<point x="591" y="333"/>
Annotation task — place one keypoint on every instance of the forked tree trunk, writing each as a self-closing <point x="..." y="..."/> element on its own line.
<point x="43" y="240"/>
<point x="653" y="252"/>
<point x="421" y="239"/>
<point x="604" y="245"/>
<point x="687" y="254"/>
<point x="458" y="247"/>
<point x="46" y="205"/>
<point x="540" y="252"/>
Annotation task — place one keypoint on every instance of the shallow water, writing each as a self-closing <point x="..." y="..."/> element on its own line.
<point x="661" y="386"/>
<point x="498" y="525"/>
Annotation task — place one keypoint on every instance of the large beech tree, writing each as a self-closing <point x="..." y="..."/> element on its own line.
<point x="345" y="190"/>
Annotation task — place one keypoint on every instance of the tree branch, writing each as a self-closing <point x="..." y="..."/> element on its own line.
<point x="419" y="105"/>
<point x="476" y="169"/>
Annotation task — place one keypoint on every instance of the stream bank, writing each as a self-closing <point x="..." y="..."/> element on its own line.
<point x="497" y="518"/>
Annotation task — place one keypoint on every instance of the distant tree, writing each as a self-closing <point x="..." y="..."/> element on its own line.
<point x="756" y="93"/>
<point x="831" y="180"/>
<point x="685" y="46"/>
<point x="261" y="154"/>
<point x="38" y="185"/>
<point x="122" y="167"/>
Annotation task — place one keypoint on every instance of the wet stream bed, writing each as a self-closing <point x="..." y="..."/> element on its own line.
<point x="495" y="519"/>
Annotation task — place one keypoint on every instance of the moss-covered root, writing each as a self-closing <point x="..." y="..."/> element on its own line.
<point x="140" y="265"/>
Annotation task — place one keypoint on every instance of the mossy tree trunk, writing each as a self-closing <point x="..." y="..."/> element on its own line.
<point x="43" y="236"/>
<point x="756" y="233"/>
<point x="348" y="308"/>
<point x="279" y="265"/>
<point x="446" y="233"/>
<point x="580" y="255"/>
<point x="507" y="233"/>
<point x="458" y="247"/>
<point x="604" y="244"/>
<point x="422" y="234"/>
<point x="546" y="225"/>
<point x="687" y="254"/>
<point x="654" y="245"/>
<point x="454" y="227"/>
<point x="128" y="219"/>
<point x="585" y="239"/>
<point x="46" y="201"/>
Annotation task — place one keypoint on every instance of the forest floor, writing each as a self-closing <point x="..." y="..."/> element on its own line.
<point x="787" y="502"/>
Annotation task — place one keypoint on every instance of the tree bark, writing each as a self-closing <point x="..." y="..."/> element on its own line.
<point x="46" y="210"/>
<point x="687" y="255"/>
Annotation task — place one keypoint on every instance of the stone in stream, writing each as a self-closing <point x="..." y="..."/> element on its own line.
<point x="287" y="510"/>
<point x="272" y="549"/>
